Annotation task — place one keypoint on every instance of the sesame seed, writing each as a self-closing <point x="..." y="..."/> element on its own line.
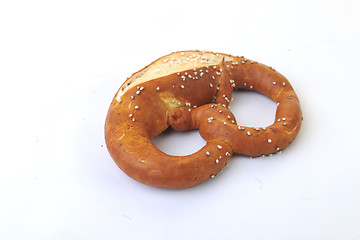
<point x="211" y="85"/>
<point x="283" y="83"/>
<point x="220" y="111"/>
<point x="274" y="83"/>
<point x="132" y="97"/>
<point x="248" y="133"/>
<point x="136" y="107"/>
<point x="212" y="176"/>
<point x="277" y="149"/>
<point x="225" y="123"/>
<point x="182" y="86"/>
<point x="284" y="119"/>
<point x="217" y="161"/>
<point x="284" y="124"/>
<point x="227" y="154"/>
<point x="207" y="154"/>
<point x="219" y="147"/>
<point x="228" y="116"/>
<point x="157" y="88"/>
<point x="138" y="92"/>
<point x="178" y="74"/>
<point x="269" y="140"/>
<point x="213" y="77"/>
<point x="133" y="119"/>
<point x="130" y="115"/>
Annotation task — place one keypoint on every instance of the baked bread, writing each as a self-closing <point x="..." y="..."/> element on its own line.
<point x="192" y="90"/>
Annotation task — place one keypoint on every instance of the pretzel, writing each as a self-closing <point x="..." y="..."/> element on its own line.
<point x="192" y="90"/>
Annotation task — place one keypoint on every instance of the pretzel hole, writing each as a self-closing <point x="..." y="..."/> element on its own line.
<point x="179" y="143"/>
<point x="253" y="109"/>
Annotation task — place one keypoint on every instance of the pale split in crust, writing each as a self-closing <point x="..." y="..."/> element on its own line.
<point x="192" y="90"/>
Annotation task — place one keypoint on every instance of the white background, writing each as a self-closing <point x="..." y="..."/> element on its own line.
<point x="61" y="63"/>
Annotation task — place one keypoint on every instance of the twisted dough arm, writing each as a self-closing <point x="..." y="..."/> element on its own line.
<point x="246" y="74"/>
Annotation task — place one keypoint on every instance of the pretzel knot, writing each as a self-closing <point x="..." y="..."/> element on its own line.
<point x="192" y="90"/>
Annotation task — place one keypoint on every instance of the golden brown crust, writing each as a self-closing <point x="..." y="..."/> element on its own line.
<point x="147" y="106"/>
